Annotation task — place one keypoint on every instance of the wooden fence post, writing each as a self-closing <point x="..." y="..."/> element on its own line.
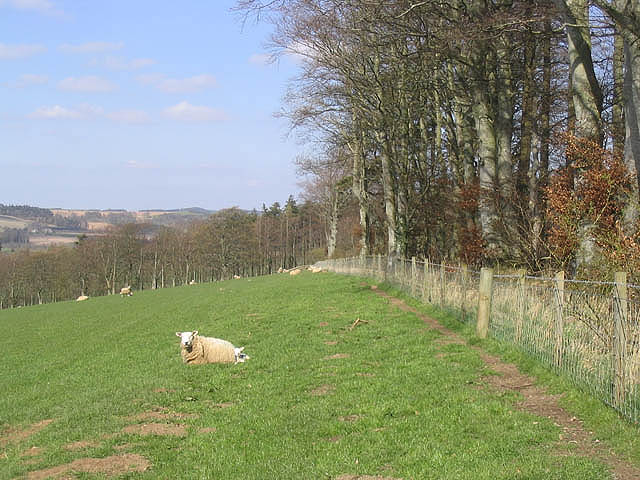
<point x="521" y="304"/>
<point x="484" y="302"/>
<point x="442" y="267"/>
<point x="463" y="293"/>
<point x="619" y="337"/>
<point x="425" y="282"/>
<point x="559" y="324"/>
<point x="413" y="277"/>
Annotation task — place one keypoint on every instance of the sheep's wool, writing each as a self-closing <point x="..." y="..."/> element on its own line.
<point x="208" y="350"/>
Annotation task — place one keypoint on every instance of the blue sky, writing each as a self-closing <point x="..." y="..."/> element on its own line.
<point x="140" y="104"/>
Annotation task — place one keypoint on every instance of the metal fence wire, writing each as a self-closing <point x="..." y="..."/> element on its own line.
<point x="587" y="331"/>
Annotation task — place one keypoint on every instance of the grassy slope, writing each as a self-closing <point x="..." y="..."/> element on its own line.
<point x="419" y="415"/>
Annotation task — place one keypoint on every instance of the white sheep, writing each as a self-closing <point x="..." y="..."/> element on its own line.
<point x="237" y="277"/>
<point x="81" y="298"/>
<point x="126" y="291"/>
<point x="192" y="282"/>
<point x="200" y="350"/>
<point x="295" y="272"/>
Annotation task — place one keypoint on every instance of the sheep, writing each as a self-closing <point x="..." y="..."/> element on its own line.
<point x="316" y="269"/>
<point x="192" y="282"/>
<point x="280" y="270"/>
<point x="199" y="350"/>
<point x="237" y="277"/>
<point x="295" y="272"/>
<point x="81" y="298"/>
<point x="126" y="291"/>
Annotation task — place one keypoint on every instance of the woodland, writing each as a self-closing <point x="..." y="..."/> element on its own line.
<point x="483" y="132"/>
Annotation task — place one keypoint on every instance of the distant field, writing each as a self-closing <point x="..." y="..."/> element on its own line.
<point x="99" y="386"/>
<point x="12" y="222"/>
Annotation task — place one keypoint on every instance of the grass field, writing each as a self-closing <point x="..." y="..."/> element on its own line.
<point x="103" y="379"/>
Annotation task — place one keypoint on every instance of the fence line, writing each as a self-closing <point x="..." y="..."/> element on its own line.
<point x="586" y="331"/>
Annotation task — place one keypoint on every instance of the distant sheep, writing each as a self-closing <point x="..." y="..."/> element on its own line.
<point x="81" y="298"/>
<point x="199" y="350"/>
<point x="280" y="270"/>
<point x="126" y="291"/>
<point x="192" y="282"/>
<point x="316" y="269"/>
<point x="295" y="272"/>
<point x="237" y="277"/>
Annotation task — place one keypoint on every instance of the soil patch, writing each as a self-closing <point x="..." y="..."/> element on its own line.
<point x="323" y="390"/>
<point x="80" y="445"/>
<point x="323" y="324"/>
<point x="535" y="400"/>
<point x="350" y="418"/>
<point x="32" y="452"/>
<point x="110" y="466"/>
<point x="208" y="430"/>
<point x="160" y="414"/>
<point x="157" y="429"/>
<point x="14" y="435"/>
<point x="332" y="342"/>
<point x="364" y="477"/>
<point x="337" y="356"/>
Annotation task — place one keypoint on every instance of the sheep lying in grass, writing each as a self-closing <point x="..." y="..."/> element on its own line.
<point x="295" y="272"/>
<point x="200" y="350"/>
<point x="126" y="291"/>
<point x="81" y="298"/>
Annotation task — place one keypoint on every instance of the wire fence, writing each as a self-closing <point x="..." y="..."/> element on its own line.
<point x="586" y="331"/>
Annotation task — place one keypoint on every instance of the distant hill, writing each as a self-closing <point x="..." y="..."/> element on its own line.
<point x="24" y="225"/>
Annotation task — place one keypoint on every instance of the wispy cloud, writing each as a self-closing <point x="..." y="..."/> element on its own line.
<point x="86" y="111"/>
<point x="129" y="116"/>
<point x="140" y="165"/>
<point x="179" y="85"/>
<point x="89" y="83"/>
<point x="260" y="59"/>
<point x="91" y="47"/>
<point x="185" y="112"/>
<point x="63" y="113"/>
<point x="13" y="52"/>
<point x="121" y="63"/>
<point x="40" y="6"/>
<point x="27" y="80"/>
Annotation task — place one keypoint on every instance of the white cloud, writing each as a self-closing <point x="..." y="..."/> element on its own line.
<point x="139" y="165"/>
<point x="41" y="6"/>
<point x="179" y="85"/>
<point x="91" y="47"/>
<point x="261" y="59"/>
<point x="185" y="112"/>
<point x="120" y="63"/>
<point x="150" y="78"/>
<point x="86" y="111"/>
<point x="28" y="80"/>
<point x="129" y="116"/>
<point x="13" y="52"/>
<point x="90" y="83"/>
<point x="63" y="113"/>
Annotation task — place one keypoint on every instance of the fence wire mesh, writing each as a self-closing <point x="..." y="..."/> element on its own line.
<point x="587" y="331"/>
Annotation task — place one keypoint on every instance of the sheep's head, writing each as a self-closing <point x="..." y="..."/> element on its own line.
<point x="186" y="338"/>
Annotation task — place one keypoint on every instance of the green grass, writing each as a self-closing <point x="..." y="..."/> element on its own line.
<point x="414" y="407"/>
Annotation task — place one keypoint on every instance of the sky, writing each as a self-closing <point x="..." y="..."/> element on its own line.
<point x="141" y="104"/>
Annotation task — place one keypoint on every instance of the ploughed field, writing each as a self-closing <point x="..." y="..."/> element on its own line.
<point x="98" y="388"/>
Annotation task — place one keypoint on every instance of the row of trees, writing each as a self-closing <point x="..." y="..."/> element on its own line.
<point x="230" y="242"/>
<point x="448" y="121"/>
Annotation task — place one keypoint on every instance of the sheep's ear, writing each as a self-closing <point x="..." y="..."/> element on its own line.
<point x="178" y="334"/>
<point x="195" y="332"/>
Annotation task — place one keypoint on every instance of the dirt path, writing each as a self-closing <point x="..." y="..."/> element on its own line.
<point x="535" y="400"/>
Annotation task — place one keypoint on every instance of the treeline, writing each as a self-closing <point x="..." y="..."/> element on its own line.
<point x="471" y="130"/>
<point x="230" y="242"/>
<point x="25" y="211"/>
